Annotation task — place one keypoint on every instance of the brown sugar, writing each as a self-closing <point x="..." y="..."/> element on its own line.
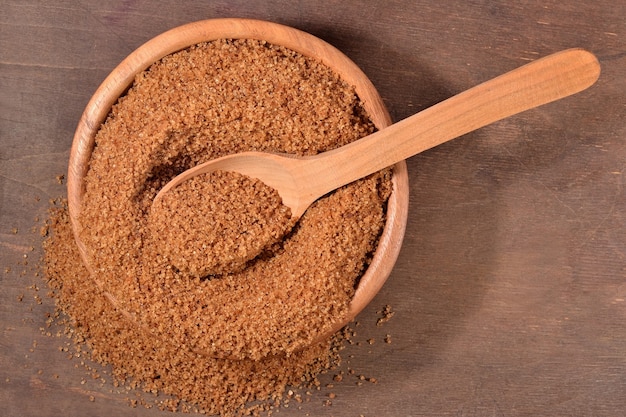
<point x="198" y="104"/>
<point x="214" y="223"/>
<point x="386" y="315"/>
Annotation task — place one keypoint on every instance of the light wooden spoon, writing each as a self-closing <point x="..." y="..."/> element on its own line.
<point x="302" y="180"/>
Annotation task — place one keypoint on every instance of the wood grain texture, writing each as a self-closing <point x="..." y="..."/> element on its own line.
<point x="510" y="290"/>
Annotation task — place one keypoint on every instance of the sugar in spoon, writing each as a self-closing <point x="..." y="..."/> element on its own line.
<point x="302" y="180"/>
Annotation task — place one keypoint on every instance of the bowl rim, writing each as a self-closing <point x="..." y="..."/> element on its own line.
<point x="182" y="37"/>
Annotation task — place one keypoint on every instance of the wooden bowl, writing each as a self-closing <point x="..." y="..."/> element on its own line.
<point x="182" y="37"/>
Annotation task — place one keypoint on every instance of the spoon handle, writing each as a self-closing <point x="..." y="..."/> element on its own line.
<point x="539" y="82"/>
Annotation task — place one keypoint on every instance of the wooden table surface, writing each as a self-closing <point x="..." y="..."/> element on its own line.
<point x="510" y="290"/>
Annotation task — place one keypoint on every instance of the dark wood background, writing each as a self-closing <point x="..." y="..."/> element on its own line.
<point x="510" y="291"/>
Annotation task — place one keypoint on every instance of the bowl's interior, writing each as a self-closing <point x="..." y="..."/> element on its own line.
<point x="179" y="38"/>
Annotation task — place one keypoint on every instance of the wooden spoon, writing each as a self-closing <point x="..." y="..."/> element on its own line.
<point x="302" y="180"/>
